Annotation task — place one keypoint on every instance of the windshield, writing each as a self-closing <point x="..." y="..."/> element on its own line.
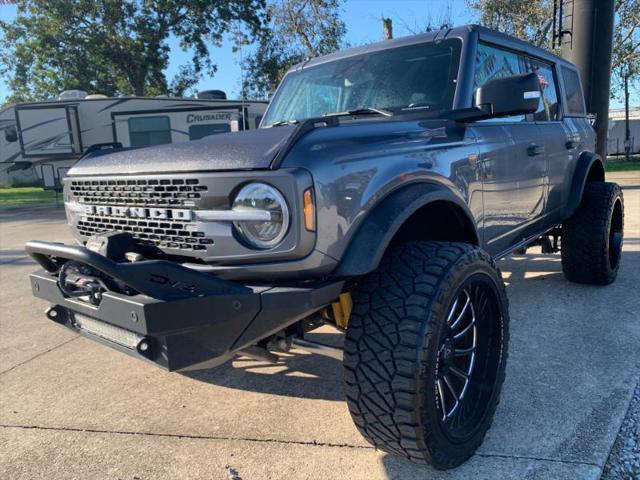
<point x="400" y="80"/>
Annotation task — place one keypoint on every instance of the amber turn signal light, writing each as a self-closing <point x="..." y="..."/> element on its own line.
<point x="309" y="210"/>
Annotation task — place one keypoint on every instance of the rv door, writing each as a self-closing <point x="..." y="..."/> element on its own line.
<point x="47" y="131"/>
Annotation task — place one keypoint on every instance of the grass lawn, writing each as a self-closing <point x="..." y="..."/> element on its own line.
<point x="622" y="166"/>
<point x="25" y="196"/>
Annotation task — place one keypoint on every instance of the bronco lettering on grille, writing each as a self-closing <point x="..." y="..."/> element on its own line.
<point x="139" y="212"/>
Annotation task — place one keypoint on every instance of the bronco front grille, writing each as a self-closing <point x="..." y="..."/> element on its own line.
<point x="152" y="193"/>
<point x="139" y="193"/>
<point x="179" y="235"/>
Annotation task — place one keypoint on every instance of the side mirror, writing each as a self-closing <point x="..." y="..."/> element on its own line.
<point x="501" y="97"/>
<point x="516" y="95"/>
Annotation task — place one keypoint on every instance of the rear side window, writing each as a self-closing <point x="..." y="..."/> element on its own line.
<point x="146" y="131"/>
<point x="197" y="132"/>
<point x="575" y="100"/>
<point x="548" y="107"/>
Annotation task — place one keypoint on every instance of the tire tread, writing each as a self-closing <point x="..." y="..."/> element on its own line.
<point x="384" y="348"/>
<point x="585" y="234"/>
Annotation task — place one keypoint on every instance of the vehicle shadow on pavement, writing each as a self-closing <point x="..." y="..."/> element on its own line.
<point x="537" y="266"/>
<point x="397" y="468"/>
<point x="532" y="267"/>
<point x="303" y="375"/>
<point x="297" y="374"/>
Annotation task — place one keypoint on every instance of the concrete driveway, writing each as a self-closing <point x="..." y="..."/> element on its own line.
<point x="70" y="408"/>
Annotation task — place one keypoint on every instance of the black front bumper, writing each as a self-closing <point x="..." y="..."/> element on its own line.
<point x="182" y="318"/>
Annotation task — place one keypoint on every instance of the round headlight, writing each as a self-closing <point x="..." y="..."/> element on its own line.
<point x="259" y="198"/>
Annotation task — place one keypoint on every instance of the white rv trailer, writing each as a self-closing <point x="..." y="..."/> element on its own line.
<point x="52" y="135"/>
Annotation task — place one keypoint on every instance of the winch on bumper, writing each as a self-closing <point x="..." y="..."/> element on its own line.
<point x="178" y="318"/>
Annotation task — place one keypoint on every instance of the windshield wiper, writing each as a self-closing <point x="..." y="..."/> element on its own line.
<point x="361" y="111"/>
<point x="347" y="113"/>
<point x="281" y="123"/>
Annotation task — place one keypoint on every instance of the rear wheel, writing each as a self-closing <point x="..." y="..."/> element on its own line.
<point x="425" y="352"/>
<point x="592" y="236"/>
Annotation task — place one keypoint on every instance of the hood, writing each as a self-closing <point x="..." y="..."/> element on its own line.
<point x="247" y="150"/>
<point x="374" y="138"/>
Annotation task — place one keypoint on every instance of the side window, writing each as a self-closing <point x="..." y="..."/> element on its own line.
<point x="493" y="63"/>
<point x="575" y="99"/>
<point x="197" y="132"/>
<point x="146" y="131"/>
<point x="548" y="107"/>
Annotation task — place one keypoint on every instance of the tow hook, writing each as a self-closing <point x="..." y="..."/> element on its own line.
<point x="52" y="313"/>
<point x="145" y="347"/>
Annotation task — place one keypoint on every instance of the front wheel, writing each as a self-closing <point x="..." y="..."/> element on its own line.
<point x="426" y="350"/>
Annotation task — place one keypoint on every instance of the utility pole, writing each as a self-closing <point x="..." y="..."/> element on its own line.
<point x="587" y="42"/>
<point x="387" y="28"/>
<point x="627" y="131"/>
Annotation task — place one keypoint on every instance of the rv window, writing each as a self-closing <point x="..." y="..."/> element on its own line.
<point x="146" y="131"/>
<point x="10" y="134"/>
<point x="197" y="132"/>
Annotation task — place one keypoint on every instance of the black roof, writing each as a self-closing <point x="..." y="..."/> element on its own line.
<point x="463" y="33"/>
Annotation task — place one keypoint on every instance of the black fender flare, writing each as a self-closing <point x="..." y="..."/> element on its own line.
<point x="368" y="245"/>
<point x="581" y="175"/>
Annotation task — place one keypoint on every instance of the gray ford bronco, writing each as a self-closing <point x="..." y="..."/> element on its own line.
<point x="376" y="196"/>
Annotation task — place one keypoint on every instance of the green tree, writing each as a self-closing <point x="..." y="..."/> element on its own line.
<point x="529" y="20"/>
<point x="115" y="46"/>
<point x="296" y="30"/>
<point x="626" y="47"/>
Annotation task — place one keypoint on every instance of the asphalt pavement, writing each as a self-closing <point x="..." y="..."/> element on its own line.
<point x="73" y="409"/>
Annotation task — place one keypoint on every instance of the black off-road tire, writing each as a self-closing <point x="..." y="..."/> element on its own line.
<point x="591" y="242"/>
<point x="392" y="357"/>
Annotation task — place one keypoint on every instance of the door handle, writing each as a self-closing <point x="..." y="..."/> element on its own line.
<point x="571" y="144"/>
<point x="535" y="150"/>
